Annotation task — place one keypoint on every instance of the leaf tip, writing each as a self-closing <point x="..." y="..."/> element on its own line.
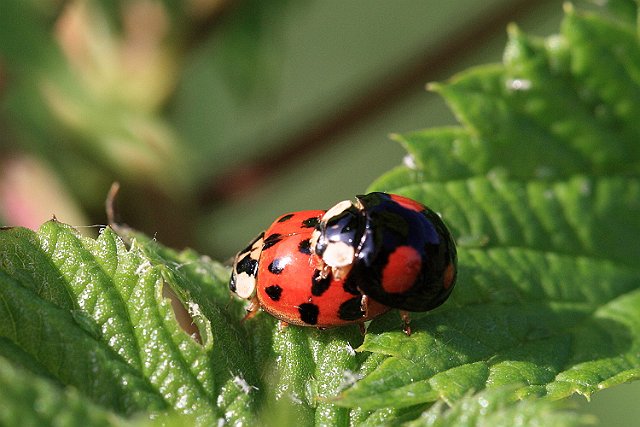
<point x="434" y="87"/>
<point x="396" y="137"/>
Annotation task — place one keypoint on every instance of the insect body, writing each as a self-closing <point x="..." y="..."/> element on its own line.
<point x="277" y="271"/>
<point x="350" y="263"/>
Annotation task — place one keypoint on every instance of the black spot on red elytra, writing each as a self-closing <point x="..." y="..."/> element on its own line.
<point x="271" y="240"/>
<point x="285" y="218"/>
<point x="277" y="265"/>
<point x="310" y="222"/>
<point x="319" y="284"/>
<point x="273" y="292"/>
<point x="305" y="247"/>
<point x="351" y="309"/>
<point x="309" y="313"/>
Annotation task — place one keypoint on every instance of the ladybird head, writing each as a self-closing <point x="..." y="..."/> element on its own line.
<point x="245" y="269"/>
<point x="337" y="236"/>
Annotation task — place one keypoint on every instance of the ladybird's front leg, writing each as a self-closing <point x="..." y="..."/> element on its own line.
<point x="364" y="305"/>
<point x="324" y="269"/>
<point x="406" y="319"/>
<point x="282" y="325"/>
<point x="252" y="310"/>
<point x="362" y="328"/>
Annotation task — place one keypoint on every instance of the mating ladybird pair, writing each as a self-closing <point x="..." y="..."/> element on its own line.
<point x="349" y="264"/>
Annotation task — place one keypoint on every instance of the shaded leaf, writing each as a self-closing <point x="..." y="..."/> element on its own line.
<point x="34" y="401"/>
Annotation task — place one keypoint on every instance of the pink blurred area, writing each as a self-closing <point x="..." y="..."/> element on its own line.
<point x="31" y="193"/>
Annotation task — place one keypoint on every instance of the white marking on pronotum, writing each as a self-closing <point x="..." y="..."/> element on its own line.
<point x="245" y="282"/>
<point x="338" y="254"/>
<point x="245" y="285"/>
<point x="337" y="209"/>
<point x="313" y="242"/>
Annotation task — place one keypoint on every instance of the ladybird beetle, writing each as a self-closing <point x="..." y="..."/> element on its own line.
<point x="350" y="263"/>
<point x="277" y="272"/>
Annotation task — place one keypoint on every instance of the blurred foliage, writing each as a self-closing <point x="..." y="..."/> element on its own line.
<point x="85" y="87"/>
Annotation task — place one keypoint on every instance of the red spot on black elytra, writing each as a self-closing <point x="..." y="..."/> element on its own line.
<point x="402" y="269"/>
<point x="271" y="240"/>
<point x="407" y="203"/>
<point x="273" y="292"/>
<point x="449" y="276"/>
<point x="309" y="313"/>
<point x="284" y="218"/>
<point x="310" y="222"/>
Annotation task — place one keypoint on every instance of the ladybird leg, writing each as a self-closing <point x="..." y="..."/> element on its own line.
<point x="363" y="330"/>
<point x="325" y="271"/>
<point x="282" y="325"/>
<point x="406" y="319"/>
<point x="364" y="305"/>
<point x="252" y="310"/>
<point x="339" y="273"/>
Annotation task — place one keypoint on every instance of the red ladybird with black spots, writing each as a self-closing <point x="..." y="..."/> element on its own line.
<point x="350" y="263"/>
<point x="277" y="272"/>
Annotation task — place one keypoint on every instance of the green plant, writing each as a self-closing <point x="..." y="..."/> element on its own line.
<point x="539" y="185"/>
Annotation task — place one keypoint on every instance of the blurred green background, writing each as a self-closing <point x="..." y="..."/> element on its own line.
<point x="218" y="115"/>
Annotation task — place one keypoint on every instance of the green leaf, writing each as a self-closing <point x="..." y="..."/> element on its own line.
<point x="552" y="110"/>
<point x="34" y="401"/>
<point x="496" y="407"/>
<point x="515" y="323"/>
<point x="118" y="342"/>
<point x="540" y="188"/>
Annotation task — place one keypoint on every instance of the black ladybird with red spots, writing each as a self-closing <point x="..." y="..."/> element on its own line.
<point x="391" y="248"/>
<point x="350" y="263"/>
